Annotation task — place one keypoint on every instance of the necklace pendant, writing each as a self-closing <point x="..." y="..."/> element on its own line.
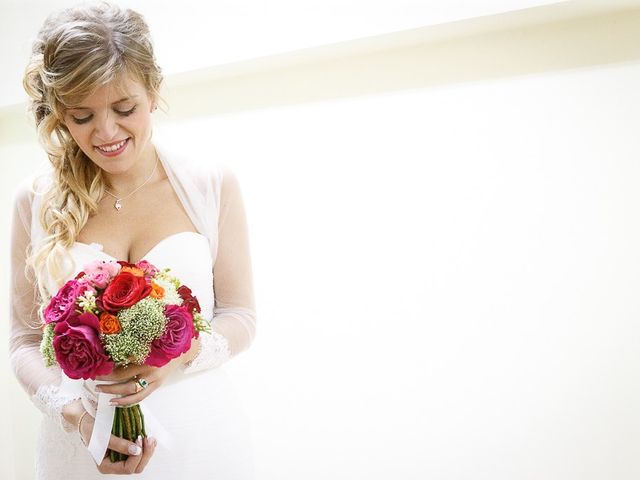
<point x="117" y="205"/>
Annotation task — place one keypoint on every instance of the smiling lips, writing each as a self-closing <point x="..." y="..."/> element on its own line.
<point x="113" y="149"/>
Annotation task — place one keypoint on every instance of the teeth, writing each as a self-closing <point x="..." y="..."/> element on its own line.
<point x="112" y="148"/>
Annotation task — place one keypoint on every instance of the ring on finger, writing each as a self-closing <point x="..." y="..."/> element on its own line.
<point x="142" y="383"/>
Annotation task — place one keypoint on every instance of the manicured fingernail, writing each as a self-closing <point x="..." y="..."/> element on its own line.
<point x="139" y="440"/>
<point x="134" y="449"/>
<point x="153" y="441"/>
<point x="113" y="403"/>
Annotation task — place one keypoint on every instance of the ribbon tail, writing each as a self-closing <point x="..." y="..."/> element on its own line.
<point x="155" y="429"/>
<point x="102" y="428"/>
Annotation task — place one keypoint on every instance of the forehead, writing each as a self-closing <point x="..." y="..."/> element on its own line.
<point x="121" y="88"/>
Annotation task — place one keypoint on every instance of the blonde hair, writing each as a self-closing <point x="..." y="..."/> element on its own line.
<point x="77" y="51"/>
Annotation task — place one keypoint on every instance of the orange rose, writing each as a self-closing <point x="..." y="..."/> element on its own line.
<point x="138" y="272"/>
<point x="109" y="323"/>
<point x="156" y="291"/>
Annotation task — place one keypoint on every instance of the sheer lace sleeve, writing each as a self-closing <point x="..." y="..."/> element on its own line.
<point x="234" y="320"/>
<point x="41" y="383"/>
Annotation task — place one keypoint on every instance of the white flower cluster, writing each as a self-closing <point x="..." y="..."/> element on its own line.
<point x="171" y="296"/>
<point x="87" y="302"/>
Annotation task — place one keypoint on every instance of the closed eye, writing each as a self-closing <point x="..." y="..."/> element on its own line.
<point x="126" y="113"/>
<point x="82" y="120"/>
<point x="122" y="113"/>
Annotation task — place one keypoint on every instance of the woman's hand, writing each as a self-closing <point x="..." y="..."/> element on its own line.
<point x="127" y="378"/>
<point x="139" y="452"/>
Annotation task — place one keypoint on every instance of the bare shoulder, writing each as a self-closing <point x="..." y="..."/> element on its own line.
<point x="229" y="178"/>
<point x="230" y="188"/>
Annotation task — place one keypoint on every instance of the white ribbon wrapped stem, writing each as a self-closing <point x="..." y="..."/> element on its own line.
<point x="97" y="405"/>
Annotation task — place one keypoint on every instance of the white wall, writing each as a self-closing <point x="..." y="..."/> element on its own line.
<point x="446" y="278"/>
<point x="228" y="31"/>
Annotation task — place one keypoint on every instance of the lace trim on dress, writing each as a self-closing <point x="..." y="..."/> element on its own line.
<point x="50" y="399"/>
<point x="214" y="351"/>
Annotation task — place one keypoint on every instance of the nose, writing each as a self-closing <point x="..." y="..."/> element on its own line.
<point x="106" y="127"/>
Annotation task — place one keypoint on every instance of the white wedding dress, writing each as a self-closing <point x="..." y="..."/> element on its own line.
<point x="206" y="431"/>
<point x="209" y="436"/>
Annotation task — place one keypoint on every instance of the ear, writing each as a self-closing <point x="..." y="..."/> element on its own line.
<point x="153" y="102"/>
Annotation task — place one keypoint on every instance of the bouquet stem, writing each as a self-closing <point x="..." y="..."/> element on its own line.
<point x="128" y="423"/>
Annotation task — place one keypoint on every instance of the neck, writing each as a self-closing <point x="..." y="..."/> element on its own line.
<point x="121" y="184"/>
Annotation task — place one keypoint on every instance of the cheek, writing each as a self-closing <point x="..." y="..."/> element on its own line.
<point x="77" y="133"/>
<point x="140" y="126"/>
<point x="144" y="121"/>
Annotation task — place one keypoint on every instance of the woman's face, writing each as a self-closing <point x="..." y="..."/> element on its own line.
<point x="113" y="125"/>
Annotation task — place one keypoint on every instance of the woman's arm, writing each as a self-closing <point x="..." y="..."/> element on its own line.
<point x="40" y="383"/>
<point x="234" y="321"/>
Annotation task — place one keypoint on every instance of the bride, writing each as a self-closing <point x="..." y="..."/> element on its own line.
<point x="113" y="193"/>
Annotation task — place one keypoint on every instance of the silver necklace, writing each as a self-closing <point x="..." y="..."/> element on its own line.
<point x="118" y="203"/>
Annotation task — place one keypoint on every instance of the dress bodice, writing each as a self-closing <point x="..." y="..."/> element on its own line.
<point x="187" y="254"/>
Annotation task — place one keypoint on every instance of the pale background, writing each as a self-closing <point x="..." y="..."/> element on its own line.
<point x="444" y="228"/>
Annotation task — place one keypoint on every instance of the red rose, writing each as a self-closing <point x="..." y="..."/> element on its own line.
<point x="125" y="290"/>
<point x="176" y="338"/>
<point x="188" y="300"/>
<point x="78" y="348"/>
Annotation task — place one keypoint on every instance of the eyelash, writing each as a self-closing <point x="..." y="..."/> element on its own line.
<point x="80" y="121"/>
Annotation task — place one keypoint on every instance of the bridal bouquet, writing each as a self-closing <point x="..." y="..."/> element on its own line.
<point x="115" y="313"/>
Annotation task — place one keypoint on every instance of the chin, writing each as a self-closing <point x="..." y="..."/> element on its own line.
<point x="116" y="169"/>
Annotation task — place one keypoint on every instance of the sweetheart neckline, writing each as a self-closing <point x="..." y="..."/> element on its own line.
<point x="101" y="247"/>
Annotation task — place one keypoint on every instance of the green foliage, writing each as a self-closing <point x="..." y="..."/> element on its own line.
<point x="141" y="324"/>
<point x="46" y="346"/>
<point x="200" y="323"/>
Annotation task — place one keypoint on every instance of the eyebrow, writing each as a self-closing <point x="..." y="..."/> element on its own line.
<point x="124" y="99"/>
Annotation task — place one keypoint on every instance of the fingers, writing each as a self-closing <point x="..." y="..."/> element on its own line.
<point x="134" y="398"/>
<point x="128" y="387"/>
<point x="115" y="443"/>
<point x="131" y="392"/>
<point x="124" y="446"/>
<point x="134" y="463"/>
<point x="147" y="452"/>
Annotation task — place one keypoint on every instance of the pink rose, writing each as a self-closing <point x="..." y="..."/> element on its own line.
<point x="63" y="304"/>
<point x="148" y="269"/>
<point x="78" y="349"/>
<point x="99" y="273"/>
<point x="176" y="338"/>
